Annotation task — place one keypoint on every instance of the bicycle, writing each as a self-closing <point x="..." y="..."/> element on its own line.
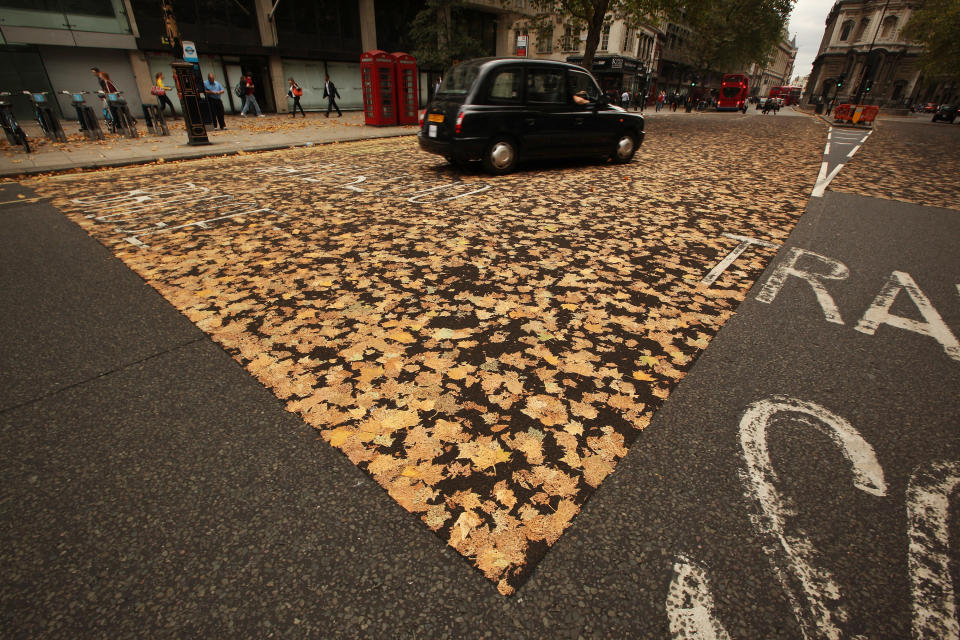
<point x="85" y="115"/>
<point x="118" y="115"/>
<point x="43" y="112"/>
<point x="15" y="135"/>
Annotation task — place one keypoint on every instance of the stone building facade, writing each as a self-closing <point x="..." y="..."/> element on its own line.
<point x="777" y="72"/>
<point x="863" y="49"/>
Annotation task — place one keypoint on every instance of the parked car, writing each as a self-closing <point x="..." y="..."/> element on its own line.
<point x="930" y="107"/>
<point x="500" y="111"/>
<point x="946" y="113"/>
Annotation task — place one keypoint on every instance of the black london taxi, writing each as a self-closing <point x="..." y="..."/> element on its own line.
<point x="499" y="111"/>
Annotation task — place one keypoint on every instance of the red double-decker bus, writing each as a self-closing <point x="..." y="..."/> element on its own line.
<point x="790" y="95"/>
<point x="734" y="90"/>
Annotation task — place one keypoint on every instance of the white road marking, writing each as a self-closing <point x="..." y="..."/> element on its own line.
<point x="821" y="185"/>
<point x="879" y="313"/>
<point x="745" y="242"/>
<point x="690" y="607"/>
<point x="814" y="596"/>
<point x="835" y="270"/>
<point x="931" y="587"/>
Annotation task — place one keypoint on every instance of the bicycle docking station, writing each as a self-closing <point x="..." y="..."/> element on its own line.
<point x="121" y="120"/>
<point x="46" y="117"/>
<point x="156" y="123"/>
<point x="11" y="128"/>
<point x="89" y="126"/>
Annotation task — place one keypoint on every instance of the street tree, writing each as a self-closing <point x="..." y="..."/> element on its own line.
<point x="936" y="25"/>
<point x="730" y="34"/>
<point x="443" y="35"/>
<point x="591" y="15"/>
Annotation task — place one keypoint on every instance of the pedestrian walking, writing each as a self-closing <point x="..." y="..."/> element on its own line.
<point x="247" y="86"/>
<point x="214" y="91"/>
<point x="661" y="97"/>
<point x="331" y="94"/>
<point x="295" y="91"/>
<point x="625" y="99"/>
<point x="107" y="86"/>
<point x="160" y="91"/>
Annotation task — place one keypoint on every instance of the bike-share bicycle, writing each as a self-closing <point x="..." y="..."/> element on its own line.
<point x="89" y="126"/>
<point x="118" y="115"/>
<point x="45" y="116"/>
<point x="15" y="135"/>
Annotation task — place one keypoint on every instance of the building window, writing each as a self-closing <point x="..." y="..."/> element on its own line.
<point x="569" y="44"/>
<point x="605" y="37"/>
<point x="862" y="29"/>
<point x="845" y="32"/>
<point x="889" y="27"/>
<point x="545" y="41"/>
<point x="627" y="40"/>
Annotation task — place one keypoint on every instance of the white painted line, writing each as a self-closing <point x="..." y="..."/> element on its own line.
<point x="826" y="149"/>
<point x="690" y="606"/>
<point x="853" y="151"/>
<point x="745" y="242"/>
<point x="815" y="597"/>
<point x="928" y="561"/>
<point x="823" y="172"/>
<point x="933" y="325"/>
<point x="821" y="186"/>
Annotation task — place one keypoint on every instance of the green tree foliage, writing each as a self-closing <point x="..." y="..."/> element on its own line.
<point x="730" y="34"/>
<point x="937" y="26"/>
<point x="592" y="14"/>
<point x="442" y="36"/>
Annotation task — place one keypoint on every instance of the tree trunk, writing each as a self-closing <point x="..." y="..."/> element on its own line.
<point x="593" y="32"/>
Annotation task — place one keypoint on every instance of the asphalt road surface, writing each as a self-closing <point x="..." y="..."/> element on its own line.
<point x="796" y="483"/>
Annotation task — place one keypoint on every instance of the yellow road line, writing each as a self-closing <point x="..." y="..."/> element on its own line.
<point x="22" y="200"/>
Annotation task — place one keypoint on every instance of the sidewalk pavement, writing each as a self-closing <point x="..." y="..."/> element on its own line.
<point x="274" y="131"/>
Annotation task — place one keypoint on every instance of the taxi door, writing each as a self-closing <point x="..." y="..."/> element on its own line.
<point x="589" y="133"/>
<point x="548" y="120"/>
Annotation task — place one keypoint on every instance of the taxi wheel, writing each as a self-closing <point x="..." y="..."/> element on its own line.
<point x="501" y="156"/>
<point x="625" y="148"/>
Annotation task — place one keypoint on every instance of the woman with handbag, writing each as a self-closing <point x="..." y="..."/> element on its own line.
<point x="295" y="92"/>
<point x="161" y="92"/>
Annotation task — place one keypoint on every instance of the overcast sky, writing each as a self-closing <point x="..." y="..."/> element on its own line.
<point x="807" y="23"/>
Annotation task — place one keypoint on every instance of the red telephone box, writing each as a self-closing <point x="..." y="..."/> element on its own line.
<point x="379" y="93"/>
<point x="408" y="95"/>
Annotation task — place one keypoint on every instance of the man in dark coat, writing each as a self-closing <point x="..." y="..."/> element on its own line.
<point x="331" y="94"/>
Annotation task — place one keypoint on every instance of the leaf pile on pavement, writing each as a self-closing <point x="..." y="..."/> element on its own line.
<point x="486" y="349"/>
<point x="910" y="162"/>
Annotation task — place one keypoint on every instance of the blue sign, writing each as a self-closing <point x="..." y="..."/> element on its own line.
<point x="190" y="52"/>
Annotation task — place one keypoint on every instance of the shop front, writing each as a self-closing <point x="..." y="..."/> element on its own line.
<point x="616" y="73"/>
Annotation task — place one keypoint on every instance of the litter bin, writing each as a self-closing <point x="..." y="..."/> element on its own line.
<point x="819" y="109"/>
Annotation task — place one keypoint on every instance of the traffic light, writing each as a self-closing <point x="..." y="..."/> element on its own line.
<point x="840" y="80"/>
<point x="868" y="85"/>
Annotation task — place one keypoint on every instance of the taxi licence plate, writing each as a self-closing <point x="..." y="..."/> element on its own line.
<point x="435" y="117"/>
